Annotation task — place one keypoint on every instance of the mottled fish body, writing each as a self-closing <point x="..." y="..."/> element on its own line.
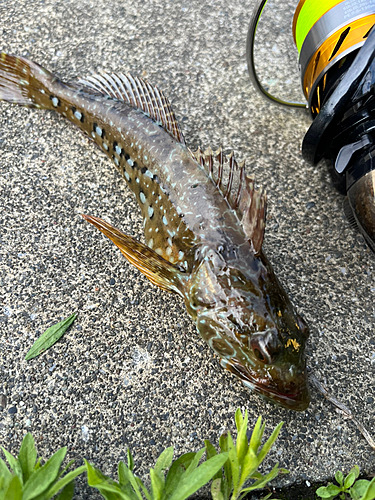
<point x="203" y="235"/>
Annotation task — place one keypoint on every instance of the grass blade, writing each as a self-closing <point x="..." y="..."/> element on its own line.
<point x="241" y="444"/>
<point x="268" y="444"/>
<point x="49" y="337"/>
<point x="27" y="456"/>
<point x="256" y="435"/>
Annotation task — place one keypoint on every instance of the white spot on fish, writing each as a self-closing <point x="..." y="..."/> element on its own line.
<point x="150" y="212"/>
<point x="93" y="134"/>
<point x="116" y="160"/>
<point x="159" y="251"/>
<point x="78" y="115"/>
<point x="137" y="180"/>
<point x="131" y="162"/>
<point x="181" y="255"/>
<point x="55" y="101"/>
<point x="98" y="131"/>
<point x="118" y="150"/>
<point x="149" y="174"/>
<point x="105" y="146"/>
<point x="127" y="176"/>
<point x="168" y="251"/>
<point x="165" y="220"/>
<point x="142" y="197"/>
<point x="151" y="243"/>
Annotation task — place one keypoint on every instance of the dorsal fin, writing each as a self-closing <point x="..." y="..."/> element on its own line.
<point x="136" y="92"/>
<point x="249" y="204"/>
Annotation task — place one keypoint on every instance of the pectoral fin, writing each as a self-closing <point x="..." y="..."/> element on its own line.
<point x="158" y="270"/>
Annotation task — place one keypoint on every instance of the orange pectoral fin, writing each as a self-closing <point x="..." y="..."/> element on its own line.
<point x="158" y="270"/>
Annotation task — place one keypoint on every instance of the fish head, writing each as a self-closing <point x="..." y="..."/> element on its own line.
<point x="246" y="317"/>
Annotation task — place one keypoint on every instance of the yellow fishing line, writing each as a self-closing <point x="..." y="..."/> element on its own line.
<point x="307" y="15"/>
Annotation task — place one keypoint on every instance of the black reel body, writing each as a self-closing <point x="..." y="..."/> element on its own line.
<point x="344" y="132"/>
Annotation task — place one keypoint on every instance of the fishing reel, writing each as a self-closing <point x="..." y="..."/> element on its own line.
<point x="336" y="45"/>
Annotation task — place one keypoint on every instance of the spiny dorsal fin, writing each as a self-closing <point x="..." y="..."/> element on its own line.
<point x="138" y="94"/>
<point x="250" y="204"/>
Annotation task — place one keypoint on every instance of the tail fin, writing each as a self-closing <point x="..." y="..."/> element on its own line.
<point x="24" y="82"/>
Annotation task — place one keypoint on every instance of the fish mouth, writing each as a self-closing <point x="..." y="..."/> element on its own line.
<point x="297" y="401"/>
<point x="293" y="395"/>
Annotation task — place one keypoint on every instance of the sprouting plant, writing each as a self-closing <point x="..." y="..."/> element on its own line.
<point x="244" y="459"/>
<point x="184" y="477"/>
<point x="30" y="479"/>
<point x="349" y="487"/>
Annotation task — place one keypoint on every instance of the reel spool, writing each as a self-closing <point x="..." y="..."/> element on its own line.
<point x="336" y="47"/>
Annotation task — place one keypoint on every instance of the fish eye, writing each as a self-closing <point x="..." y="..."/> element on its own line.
<point x="259" y="355"/>
<point x="266" y="347"/>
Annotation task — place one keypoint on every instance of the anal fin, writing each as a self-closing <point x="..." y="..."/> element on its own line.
<point x="158" y="270"/>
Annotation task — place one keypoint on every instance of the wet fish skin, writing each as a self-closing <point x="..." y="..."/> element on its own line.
<point x="203" y="240"/>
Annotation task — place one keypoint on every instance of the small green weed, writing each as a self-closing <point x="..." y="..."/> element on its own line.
<point x="348" y="487"/>
<point x="30" y="479"/>
<point x="244" y="459"/>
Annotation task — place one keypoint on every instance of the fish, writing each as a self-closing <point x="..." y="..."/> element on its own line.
<point x="204" y="222"/>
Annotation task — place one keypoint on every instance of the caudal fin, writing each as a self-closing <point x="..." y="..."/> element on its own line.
<point x="23" y="82"/>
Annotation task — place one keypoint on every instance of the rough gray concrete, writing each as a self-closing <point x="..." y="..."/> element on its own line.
<point x="132" y="371"/>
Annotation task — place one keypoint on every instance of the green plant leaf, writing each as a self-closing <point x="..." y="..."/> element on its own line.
<point x="261" y="482"/>
<point x="349" y="480"/>
<point x="164" y="461"/>
<point x="211" y="452"/>
<point x="14" y="464"/>
<point x="194" y="463"/>
<point x="125" y="484"/>
<point x="127" y="476"/>
<point x="64" y="481"/>
<point x="256" y="436"/>
<point x="210" y="449"/>
<point x="370" y="492"/>
<point x="235" y="468"/>
<point x="249" y="466"/>
<point x="5" y="476"/>
<point x="176" y="471"/>
<point x="41" y="479"/>
<point x="216" y="490"/>
<point x="238" y="419"/>
<point x="143" y="488"/>
<point x="27" y="456"/>
<point x="339" y="476"/>
<point x="322" y="492"/>
<point x="67" y="492"/>
<point x="130" y="460"/>
<point x="157" y="484"/>
<point x="190" y="483"/>
<point x="268" y="444"/>
<point x="49" y="337"/>
<point x="108" y="488"/>
<point x="359" y="489"/>
<point x="227" y="484"/>
<point x="69" y="464"/>
<point x="14" y="490"/>
<point x="241" y="443"/>
<point x="333" y="490"/>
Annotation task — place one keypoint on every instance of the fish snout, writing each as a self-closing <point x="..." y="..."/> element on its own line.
<point x="266" y="346"/>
